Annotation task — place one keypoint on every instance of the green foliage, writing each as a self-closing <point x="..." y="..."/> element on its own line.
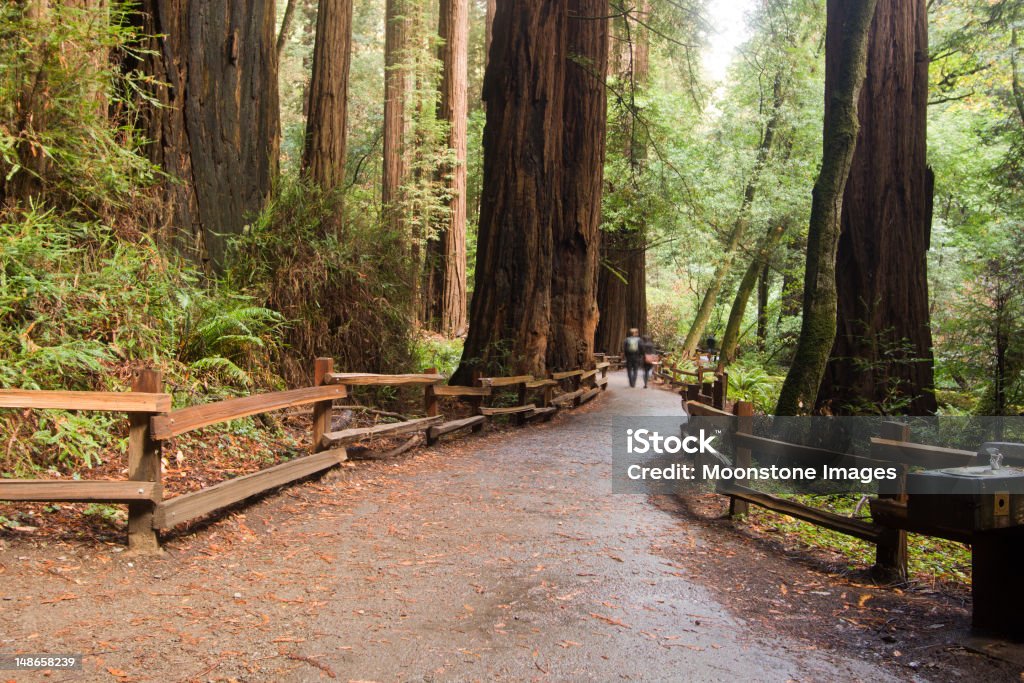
<point x="339" y="280"/>
<point x="433" y="351"/>
<point x="56" y="85"/>
<point x="751" y="382"/>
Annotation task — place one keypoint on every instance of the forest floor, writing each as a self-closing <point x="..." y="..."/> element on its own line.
<point x="504" y="556"/>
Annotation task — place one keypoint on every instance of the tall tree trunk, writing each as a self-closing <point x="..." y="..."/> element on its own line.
<point x="215" y="131"/>
<point x="739" y="230"/>
<point x="574" y="312"/>
<point x="396" y="89"/>
<point x="621" y="289"/>
<point x="323" y="157"/>
<point x="763" y="286"/>
<point x="444" y="296"/>
<point x="286" y="28"/>
<point x="882" y="357"/>
<point x="523" y="167"/>
<point x="846" y="39"/>
<point x="731" y="338"/>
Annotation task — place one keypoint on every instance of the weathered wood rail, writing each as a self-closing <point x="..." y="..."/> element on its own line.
<point x="152" y="421"/>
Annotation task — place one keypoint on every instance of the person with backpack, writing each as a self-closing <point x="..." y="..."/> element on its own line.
<point x="650" y="356"/>
<point x="632" y="352"/>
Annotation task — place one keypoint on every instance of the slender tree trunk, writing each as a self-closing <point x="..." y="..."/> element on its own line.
<point x="574" y="312"/>
<point x="286" y="28"/>
<point x="444" y="295"/>
<point x="323" y="157"/>
<point x="396" y="89"/>
<point x="882" y="357"/>
<point x="763" y="286"/>
<point x="846" y="39"/>
<point x="731" y="338"/>
<point x="739" y="230"/>
<point x="523" y="167"/>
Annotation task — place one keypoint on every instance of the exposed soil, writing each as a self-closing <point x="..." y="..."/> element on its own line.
<point x="497" y="557"/>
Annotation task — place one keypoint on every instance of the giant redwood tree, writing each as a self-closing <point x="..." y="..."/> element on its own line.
<point x="574" y="313"/>
<point x="215" y="129"/>
<point x="882" y="357"/>
<point x="523" y="165"/>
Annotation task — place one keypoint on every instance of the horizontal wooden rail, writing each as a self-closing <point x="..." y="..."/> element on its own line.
<point x="893" y="513"/>
<point x="454" y="390"/>
<point x="544" y="413"/>
<point x="603" y="365"/>
<point x="77" y="491"/>
<point x="920" y="454"/>
<point x="191" y="505"/>
<point x="589" y="395"/>
<point x="347" y="436"/>
<point x="568" y="397"/>
<point x="108" y="401"/>
<point x="435" y="432"/>
<point x="505" y="381"/>
<point x="588" y="374"/>
<point x="368" y="379"/>
<point x="783" y="449"/>
<point x="566" y="375"/>
<point x="698" y="409"/>
<point x="512" y="410"/>
<point x="194" y="417"/>
<point x="539" y="383"/>
<point x="830" y="520"/>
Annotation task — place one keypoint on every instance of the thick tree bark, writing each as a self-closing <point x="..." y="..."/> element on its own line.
<point x="739" y="230"/>
<point x="731" y="338"/>
<point x="215" y="132"/>
<point x="444" y="295"/>
<point x="323" y="158"/>
<point x="396" y="88"/>
<point x="621" y="289"/>
<point x="574" y="312"/>
<point x="846" y="39"/>
<point x="882" y="357"/>
<point x="523" y="167"/>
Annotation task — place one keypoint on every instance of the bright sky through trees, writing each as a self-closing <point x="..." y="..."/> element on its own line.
<point x="729" y="26"/>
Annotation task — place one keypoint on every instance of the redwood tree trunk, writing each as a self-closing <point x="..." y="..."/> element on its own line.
<point x="323" y="157"/>
<point x="523" y="165"/>
<point x="846" y="38"/>
<point x="622" y="290"/>
<point x="882" y="357"/>
<point x="574" y="312"/>
<point x="396" y="86"/>
<point x="444" y="295"/>
<point x="217" y="136"/>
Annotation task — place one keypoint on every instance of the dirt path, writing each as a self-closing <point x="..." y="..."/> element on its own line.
<point x="501" y="557"/>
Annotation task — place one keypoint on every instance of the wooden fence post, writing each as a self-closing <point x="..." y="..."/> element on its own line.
<point x="430" y="405"/>
<point x="744" y="412"/>
<point x="143" y="465"/>
<point x="322" y="409"/>
<point x="720" y="391"/>
<point x="891" y="550"/>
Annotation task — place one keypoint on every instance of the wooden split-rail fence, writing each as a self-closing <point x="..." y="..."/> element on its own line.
<point x="152" y="422"/>
<point x="892" y="447"/>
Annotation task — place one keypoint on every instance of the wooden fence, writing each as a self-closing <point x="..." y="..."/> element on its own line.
<point x="151" y="422"/>
<point x="890" y="524"/>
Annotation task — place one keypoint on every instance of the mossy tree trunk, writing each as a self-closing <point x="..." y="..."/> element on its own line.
<point x="758" y="264"/>
<point x="882" y="357"/>
<point x="846" y="40"/>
